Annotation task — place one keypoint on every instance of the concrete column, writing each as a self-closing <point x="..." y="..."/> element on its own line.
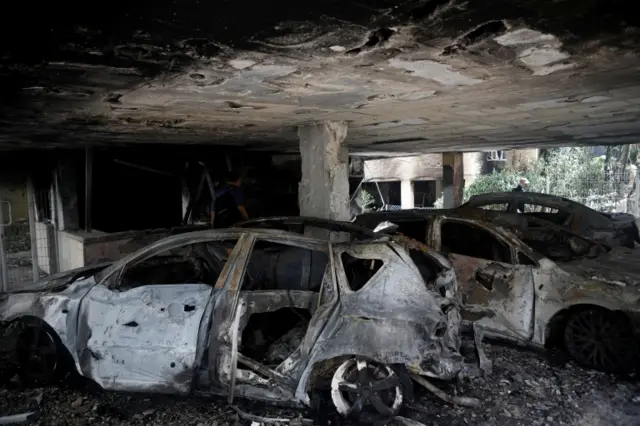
<point x="384" y="192"/>
<point x="453" y="179"/>
<point x="186" y="197"/>
<point x="324" y="188"/>
<point x="407" y="197"/>
<point x="439" y="188"/>
<point x="66" y="196"/>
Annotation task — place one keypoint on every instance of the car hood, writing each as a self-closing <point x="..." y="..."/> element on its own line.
<point x="619" y="266"/>
<point x="62" y="280"/>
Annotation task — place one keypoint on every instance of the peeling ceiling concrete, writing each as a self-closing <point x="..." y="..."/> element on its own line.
<point x="408" y="76"/>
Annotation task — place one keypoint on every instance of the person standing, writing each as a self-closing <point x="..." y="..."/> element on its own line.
<point x="227" y="207"/>
<point x="523" y="183"/>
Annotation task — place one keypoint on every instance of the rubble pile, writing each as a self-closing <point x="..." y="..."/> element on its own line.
<point x="524" y="390"/>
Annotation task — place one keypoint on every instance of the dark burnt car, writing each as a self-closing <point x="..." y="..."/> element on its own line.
<point x="539" y="286"/>
<point x="610" y="228"/>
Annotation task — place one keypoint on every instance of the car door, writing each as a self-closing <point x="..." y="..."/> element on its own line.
<point x="496" y="292"/>
<point x="139" y="328"/>
<point x="290" y="276"/>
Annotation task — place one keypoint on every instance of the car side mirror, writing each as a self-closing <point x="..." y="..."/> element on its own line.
<point x="386" y="227"/>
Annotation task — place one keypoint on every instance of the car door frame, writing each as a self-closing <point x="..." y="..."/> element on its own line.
<point x="114" y="274"/>
<point x="226" y="364"/>
<point x="490" y="326"/>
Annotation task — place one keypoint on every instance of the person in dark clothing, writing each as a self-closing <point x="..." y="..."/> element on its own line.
<point x="522" y="185"/>
<point x="227" y="207"/>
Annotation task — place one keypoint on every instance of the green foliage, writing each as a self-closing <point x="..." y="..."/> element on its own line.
<point x="365" y="200"/>
<point x="573" y="173"/>
<point x="507" y="179"/>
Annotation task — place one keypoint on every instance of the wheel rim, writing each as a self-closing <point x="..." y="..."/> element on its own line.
<point x="37" y="353"/>
<point x="596" y="339"/>
<point x="366" y="391"/>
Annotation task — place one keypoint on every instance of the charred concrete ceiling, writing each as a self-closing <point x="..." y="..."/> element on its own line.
<point x="407" y="75"/>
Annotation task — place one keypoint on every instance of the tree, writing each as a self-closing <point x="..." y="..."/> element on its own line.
<point x="365" y="200"/>
<point x="575" y="173"/>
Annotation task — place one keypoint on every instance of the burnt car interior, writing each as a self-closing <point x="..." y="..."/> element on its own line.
<point x="559" y="246"/>
<point x="273" y="327"/>
<point x="493" y="207"/>
<point x="359" y="271"/>
<point x="282" y="286"/>
<point x="188" y="264"/>
<point x="282" y="289"/>
<point x="473" y="241"/>
<point x="414" y="228"/>
<point x="559" y="217"/>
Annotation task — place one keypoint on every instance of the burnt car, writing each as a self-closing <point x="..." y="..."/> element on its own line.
<point x="542" y="286"/>
<point x="609" y="228"/>
<point x="262" y="314"/>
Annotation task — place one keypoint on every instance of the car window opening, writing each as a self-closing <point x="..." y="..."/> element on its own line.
<point x="416" y="229"/>
<point x="359" y="271"/>
<point x="558" y="246"/>
<point x="189" y="264"/>
<point x="547" y="213"/>
<point x="473" y="241"/>
<point x="271" y="337"/>
<point x="274" y="266"/>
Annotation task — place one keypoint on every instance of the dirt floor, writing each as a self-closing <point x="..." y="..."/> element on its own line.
<point x="524" y="389"/>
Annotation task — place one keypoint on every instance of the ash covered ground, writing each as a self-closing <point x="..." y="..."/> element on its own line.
<point x="524" y="389"/>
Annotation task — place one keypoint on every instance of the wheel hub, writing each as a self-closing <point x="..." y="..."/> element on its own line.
<point x="366" y="391"/>
<point x="598" y="339"/>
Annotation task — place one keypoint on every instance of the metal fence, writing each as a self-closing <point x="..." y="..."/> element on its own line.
<point x="614" y="193"/>
<point x="25" y="237"/>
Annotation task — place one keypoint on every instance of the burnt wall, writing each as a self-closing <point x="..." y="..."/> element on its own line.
<point x="128" y="198"/>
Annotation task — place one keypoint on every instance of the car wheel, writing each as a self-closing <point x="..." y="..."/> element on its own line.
<point x="38" y="355"/>
<point x="601" y="339"/>
<point x="369" y="392"/>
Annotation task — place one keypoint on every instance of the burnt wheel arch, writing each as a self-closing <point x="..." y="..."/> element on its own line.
<point x="555" y="330"/>
<point x="319" y="386"/>
<point x="64" y="362"/>
<point x="601" y="339"/>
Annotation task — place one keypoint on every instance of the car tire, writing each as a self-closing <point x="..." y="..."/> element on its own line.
<point x="41" y="358"/>
<point x="368" y="392"/>
<point x="602" y="340"/>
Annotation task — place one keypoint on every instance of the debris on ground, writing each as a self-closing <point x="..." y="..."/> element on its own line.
<point x="524" y="390"/>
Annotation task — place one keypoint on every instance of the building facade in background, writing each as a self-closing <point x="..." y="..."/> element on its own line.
<point x="420" y="178"/>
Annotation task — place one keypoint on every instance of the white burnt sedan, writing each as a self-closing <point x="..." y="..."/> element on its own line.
<point x="261" y="314"/>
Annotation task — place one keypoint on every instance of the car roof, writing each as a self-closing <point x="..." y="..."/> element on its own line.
<point x="501" y="197"/>
<point x="328" y="224"/>
<point x="505" y="230"/>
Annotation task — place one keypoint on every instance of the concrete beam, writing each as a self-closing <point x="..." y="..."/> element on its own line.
<point x="324" y="188"/>
<point x="453" y="179"/>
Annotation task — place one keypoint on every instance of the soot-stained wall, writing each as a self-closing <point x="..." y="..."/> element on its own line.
<point x="126" y="198"/>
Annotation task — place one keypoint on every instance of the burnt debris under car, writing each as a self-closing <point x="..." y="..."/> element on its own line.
<point x="261" y="314"/>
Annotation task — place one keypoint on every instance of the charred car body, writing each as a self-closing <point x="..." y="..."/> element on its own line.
<point x="202" y="312"/>
<point x="610" y="228"/>
<point x="579" y="293"/>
